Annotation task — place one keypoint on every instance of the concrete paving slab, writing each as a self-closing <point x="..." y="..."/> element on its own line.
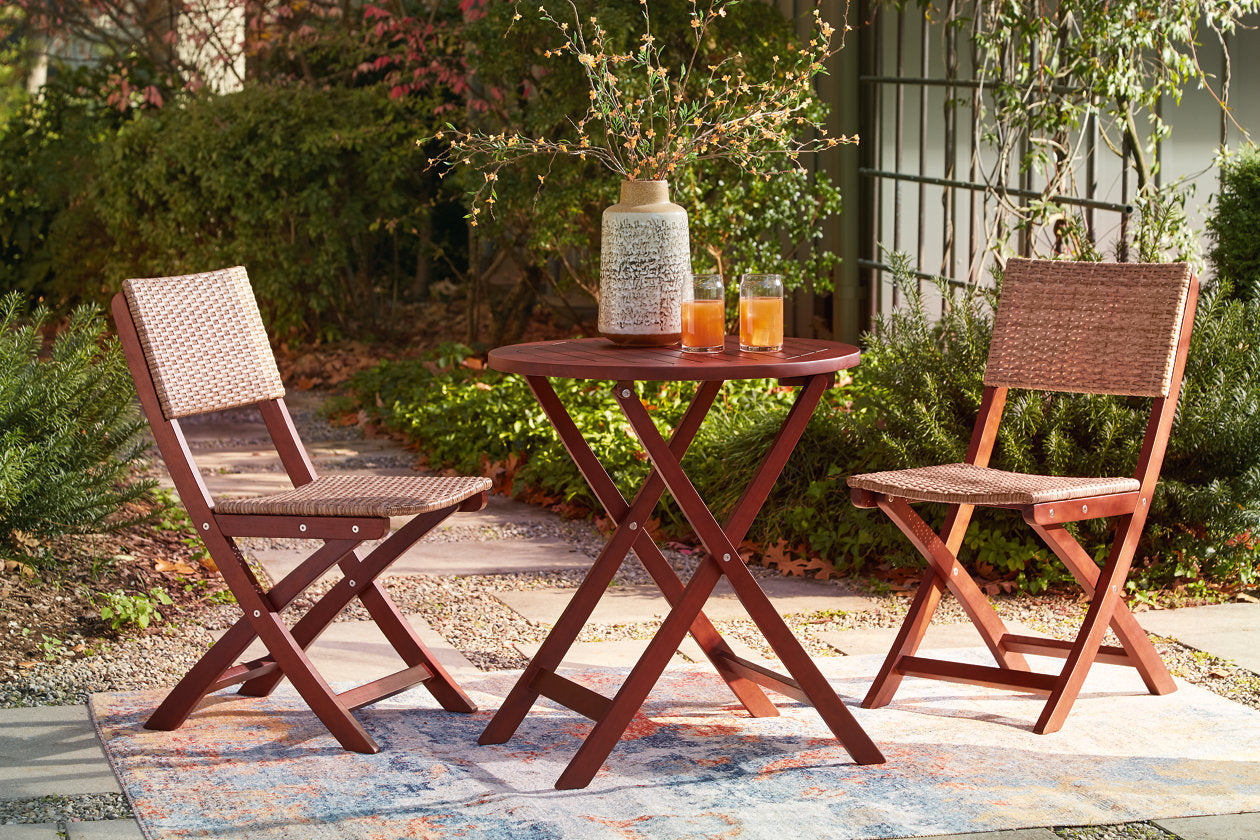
<point x="31" y="831"/>
<point x="939" y="637"/>
<point x="1220" y="827"/>
<point x="468" y="557"/>
<point x="104" y="830"/>
<point x="357" y="652"/>
<point x="1231" y="631"/>
<point x="624" y="653"/>
<point x="204" y="434"/>
<point x="501" y="510"/>
<point x="49" y="750"/>
<point x="639" y="603"/>
<point x="327" y="456"/>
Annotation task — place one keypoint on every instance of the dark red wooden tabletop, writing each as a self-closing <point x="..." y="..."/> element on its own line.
<point x="599" y="358"/>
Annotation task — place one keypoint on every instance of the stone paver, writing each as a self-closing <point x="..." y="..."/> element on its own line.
<point x="357" y="652"/>
<point x="624" y="653"/>
<point x="1221" y="827"/>
<point x="104" y="830"/>
<point x="49" y="750"/>
<point x="31" y="831"/>
<point x="939" y="636"/>
<point x="635" y="604"/>
<point x="465" y="557"/>
<point x="1231" y="631"/>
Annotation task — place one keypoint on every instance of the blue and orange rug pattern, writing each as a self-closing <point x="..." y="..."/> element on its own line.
<point x="692" y="765"/>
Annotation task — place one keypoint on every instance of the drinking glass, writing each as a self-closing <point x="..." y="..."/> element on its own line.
<point x="761" y="312"/>
<point x="704" y="314"/>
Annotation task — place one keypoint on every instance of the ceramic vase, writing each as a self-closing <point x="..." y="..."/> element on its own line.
<point x="645" y="259"/>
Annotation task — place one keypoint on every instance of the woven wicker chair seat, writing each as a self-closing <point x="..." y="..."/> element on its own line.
<point x="362" y="495"/>
<point x="969" y="484"/>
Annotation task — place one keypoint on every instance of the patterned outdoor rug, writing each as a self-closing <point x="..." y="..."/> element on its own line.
<point x="694" y="765"/>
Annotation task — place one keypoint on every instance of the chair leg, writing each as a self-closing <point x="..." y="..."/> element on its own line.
<point x="951" y="574"/>
<point x="413" y="650"/>
<point x="909" y="637"/>
<point x="360" y="573"/>
<point x="185" y="696"/>
<point x="1133" y="638"/>
<point x="312" y="687"/>
<point x="1102" y="608"/>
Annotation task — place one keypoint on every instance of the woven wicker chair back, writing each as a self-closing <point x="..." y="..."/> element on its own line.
<point x="204" y="341"/>
<point x="1093" y="328"/>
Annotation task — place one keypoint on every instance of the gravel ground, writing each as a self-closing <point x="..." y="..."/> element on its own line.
<point x="1124" y="831"/>
<point x="87" y="807"/>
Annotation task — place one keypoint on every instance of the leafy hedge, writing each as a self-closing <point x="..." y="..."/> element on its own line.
<point x="321" y="193"/>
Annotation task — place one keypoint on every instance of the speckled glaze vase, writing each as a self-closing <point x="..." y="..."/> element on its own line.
<point x="645" y="259"/>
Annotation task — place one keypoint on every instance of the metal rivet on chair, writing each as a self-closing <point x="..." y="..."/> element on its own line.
<point x="726" y="558"/>
<point x="205" y="526"/>
<point x="302" y="527"/>
<point x="257" y="613"/>
<point x="1084" y="508"/>
<point x="955" y="572"/>
<point x="634" y="526"/>
<point x="352" y="584"/>
<point x="354" y="529"/>
<point x="1052" y="512"/>
<point x="625" y="392"/>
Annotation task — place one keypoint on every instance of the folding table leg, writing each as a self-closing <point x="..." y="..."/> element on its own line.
<point x="549" y="656"/>
<point x="629" y="698"/>
<point x="749" y="694"/>
<point x="722" y="543"/>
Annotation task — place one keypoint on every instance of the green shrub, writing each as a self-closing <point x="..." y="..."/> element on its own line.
<point x="1234" y="224"/>
<point x="322" y="194"/>
<point x="70" y="437"/>
<point x="52" y="242"/>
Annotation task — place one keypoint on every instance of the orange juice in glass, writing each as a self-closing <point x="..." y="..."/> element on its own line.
<point x="761" y="312"/>
<point x="704" y="314"/>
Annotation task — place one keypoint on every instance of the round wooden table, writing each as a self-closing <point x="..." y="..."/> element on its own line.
<point x="810" y="364"/>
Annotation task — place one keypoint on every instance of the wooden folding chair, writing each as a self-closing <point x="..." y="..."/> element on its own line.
<point x="1060" y="326"/>
<point x="196" y="344"/>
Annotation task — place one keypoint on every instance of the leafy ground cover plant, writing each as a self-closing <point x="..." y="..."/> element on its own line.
<point x="475" y="420"/>
<point x="70" y="437"/>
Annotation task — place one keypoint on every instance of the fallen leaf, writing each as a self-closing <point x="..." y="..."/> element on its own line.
<point x="177" y="566"/>
<point x="1219" y="673"/>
